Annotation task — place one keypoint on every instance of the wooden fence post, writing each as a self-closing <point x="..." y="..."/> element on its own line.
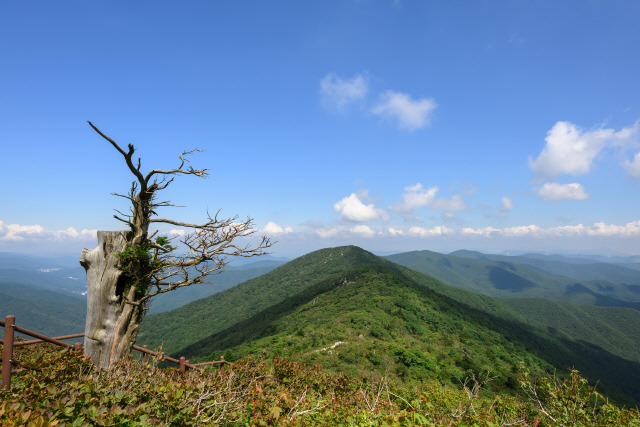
<point x="221" y="365"/>
<point x="182" y="367"/>
<point x="145" y="358"/>
<point x="7" y="351"/>
<point x="77" y="347"/>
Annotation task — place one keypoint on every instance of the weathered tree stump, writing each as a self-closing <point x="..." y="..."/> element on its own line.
<point x="109" y="331"/>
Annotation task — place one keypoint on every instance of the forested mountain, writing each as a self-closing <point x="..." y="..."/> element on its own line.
<point x="42" y="310"/>
<point x="503" y="279"/>
<point x="354" y="312"/>
<point x="198" y="319"/>
<point x="231" y="276"/>
<point x="576" y="268"/>
<point x="45" y="294"/>
<point x="615" y="329"/>
<point x="48" y="292"/>
<point x="61" y="274"/>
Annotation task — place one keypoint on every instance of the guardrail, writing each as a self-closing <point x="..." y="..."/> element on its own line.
<point x="9" y="343"/>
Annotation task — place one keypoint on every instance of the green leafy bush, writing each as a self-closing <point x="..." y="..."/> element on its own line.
<point x="68" y="390"/>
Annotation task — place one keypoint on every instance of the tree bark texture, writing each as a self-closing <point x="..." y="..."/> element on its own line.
<point x="112" y="323"/>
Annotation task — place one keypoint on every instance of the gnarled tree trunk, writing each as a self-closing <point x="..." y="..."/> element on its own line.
<point x="130" y="267"/>
<point x="112" y="324"/>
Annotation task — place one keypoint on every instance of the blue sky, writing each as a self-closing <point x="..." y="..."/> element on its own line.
<point x="496" y="126"/>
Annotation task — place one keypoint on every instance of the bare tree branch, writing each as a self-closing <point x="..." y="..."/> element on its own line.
<point x="147" y="265"/>
<point x="127" y="156"/>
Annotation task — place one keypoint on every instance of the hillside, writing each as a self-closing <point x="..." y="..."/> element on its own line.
<point x="229" y="277"/>
<point x="576" y="268"/>
<point x="372" y="319"/>
<point x="232" y="322"/>
<point x="613" y="328"/>
<point x="49" y="312"/>
<point x="199" y="319"/>
<point x="510" y="280"/>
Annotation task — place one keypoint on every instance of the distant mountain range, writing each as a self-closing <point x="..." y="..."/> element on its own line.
<point x="579" y="282"/>
<point x="48" y="294"/>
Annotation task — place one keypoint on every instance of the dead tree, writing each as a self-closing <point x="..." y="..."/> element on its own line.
<point x="131" y="266"/>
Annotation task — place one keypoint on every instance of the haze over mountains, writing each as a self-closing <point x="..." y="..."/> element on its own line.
<point x="413" y="314"/>
<point x="579" y="282"/>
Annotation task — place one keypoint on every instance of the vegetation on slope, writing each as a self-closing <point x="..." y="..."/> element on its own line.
<point x="218" y="283"/>
<point x="227" y="319"/>
<point x="616" y="329"/>
<point x="576" y="268"/>
<point x="199" y="319"/>
<point x="275" y="392"/>
<point x="45" y="311"/>
<point x="620" y="376"/>
<point x="375" y="318"/>
<point x="510" y="280"/>
<point x="372" y="319"/>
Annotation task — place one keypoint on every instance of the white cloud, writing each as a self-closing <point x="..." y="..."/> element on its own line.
<point x="338" y="93"/>
<point x="416" y="196"/>
<point x="363" y="230"/>
<point x="553" y="191"/>
<point x="569" y="150"/>
<point x="521" y="230"/>
<point x="273" y="228"/>
<point x="411" y="115"/>
<point x="18" y="233"/>
<point x="486" y="231"/>
<point x="395" y="231"/>
<point x="439" y="230"/>
<point x="328" y="232"/>
<point x="352" y="209"/>
<point x="601" y="229"/>
<point x="633" y="167"/>
<point x="176" y="232"/>
<point x="384" y="237"/>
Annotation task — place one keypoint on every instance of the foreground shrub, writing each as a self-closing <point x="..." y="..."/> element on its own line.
<point x="68" y="390"/>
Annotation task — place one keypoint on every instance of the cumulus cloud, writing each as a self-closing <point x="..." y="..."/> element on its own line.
<point x="570" y="150"/>
<point x="416" y="197"/>
<point x="273" y="228"/>
<point x="363" y="230"/>
<point x="352" y="209"/>
<point x="19" y="232"/>
<point x="326" y="232"/>
<point x="553" y="191"/>
<point x="439" y="230"/>
<point x="338" y="93"/>
<point x="395" y="231"/>
<point x="344" y="231"/>
<point x="598" y="229"/>
<point x="633" y="167"/>
<point x="345" y="234"/>
<point x="410" y="114"/>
